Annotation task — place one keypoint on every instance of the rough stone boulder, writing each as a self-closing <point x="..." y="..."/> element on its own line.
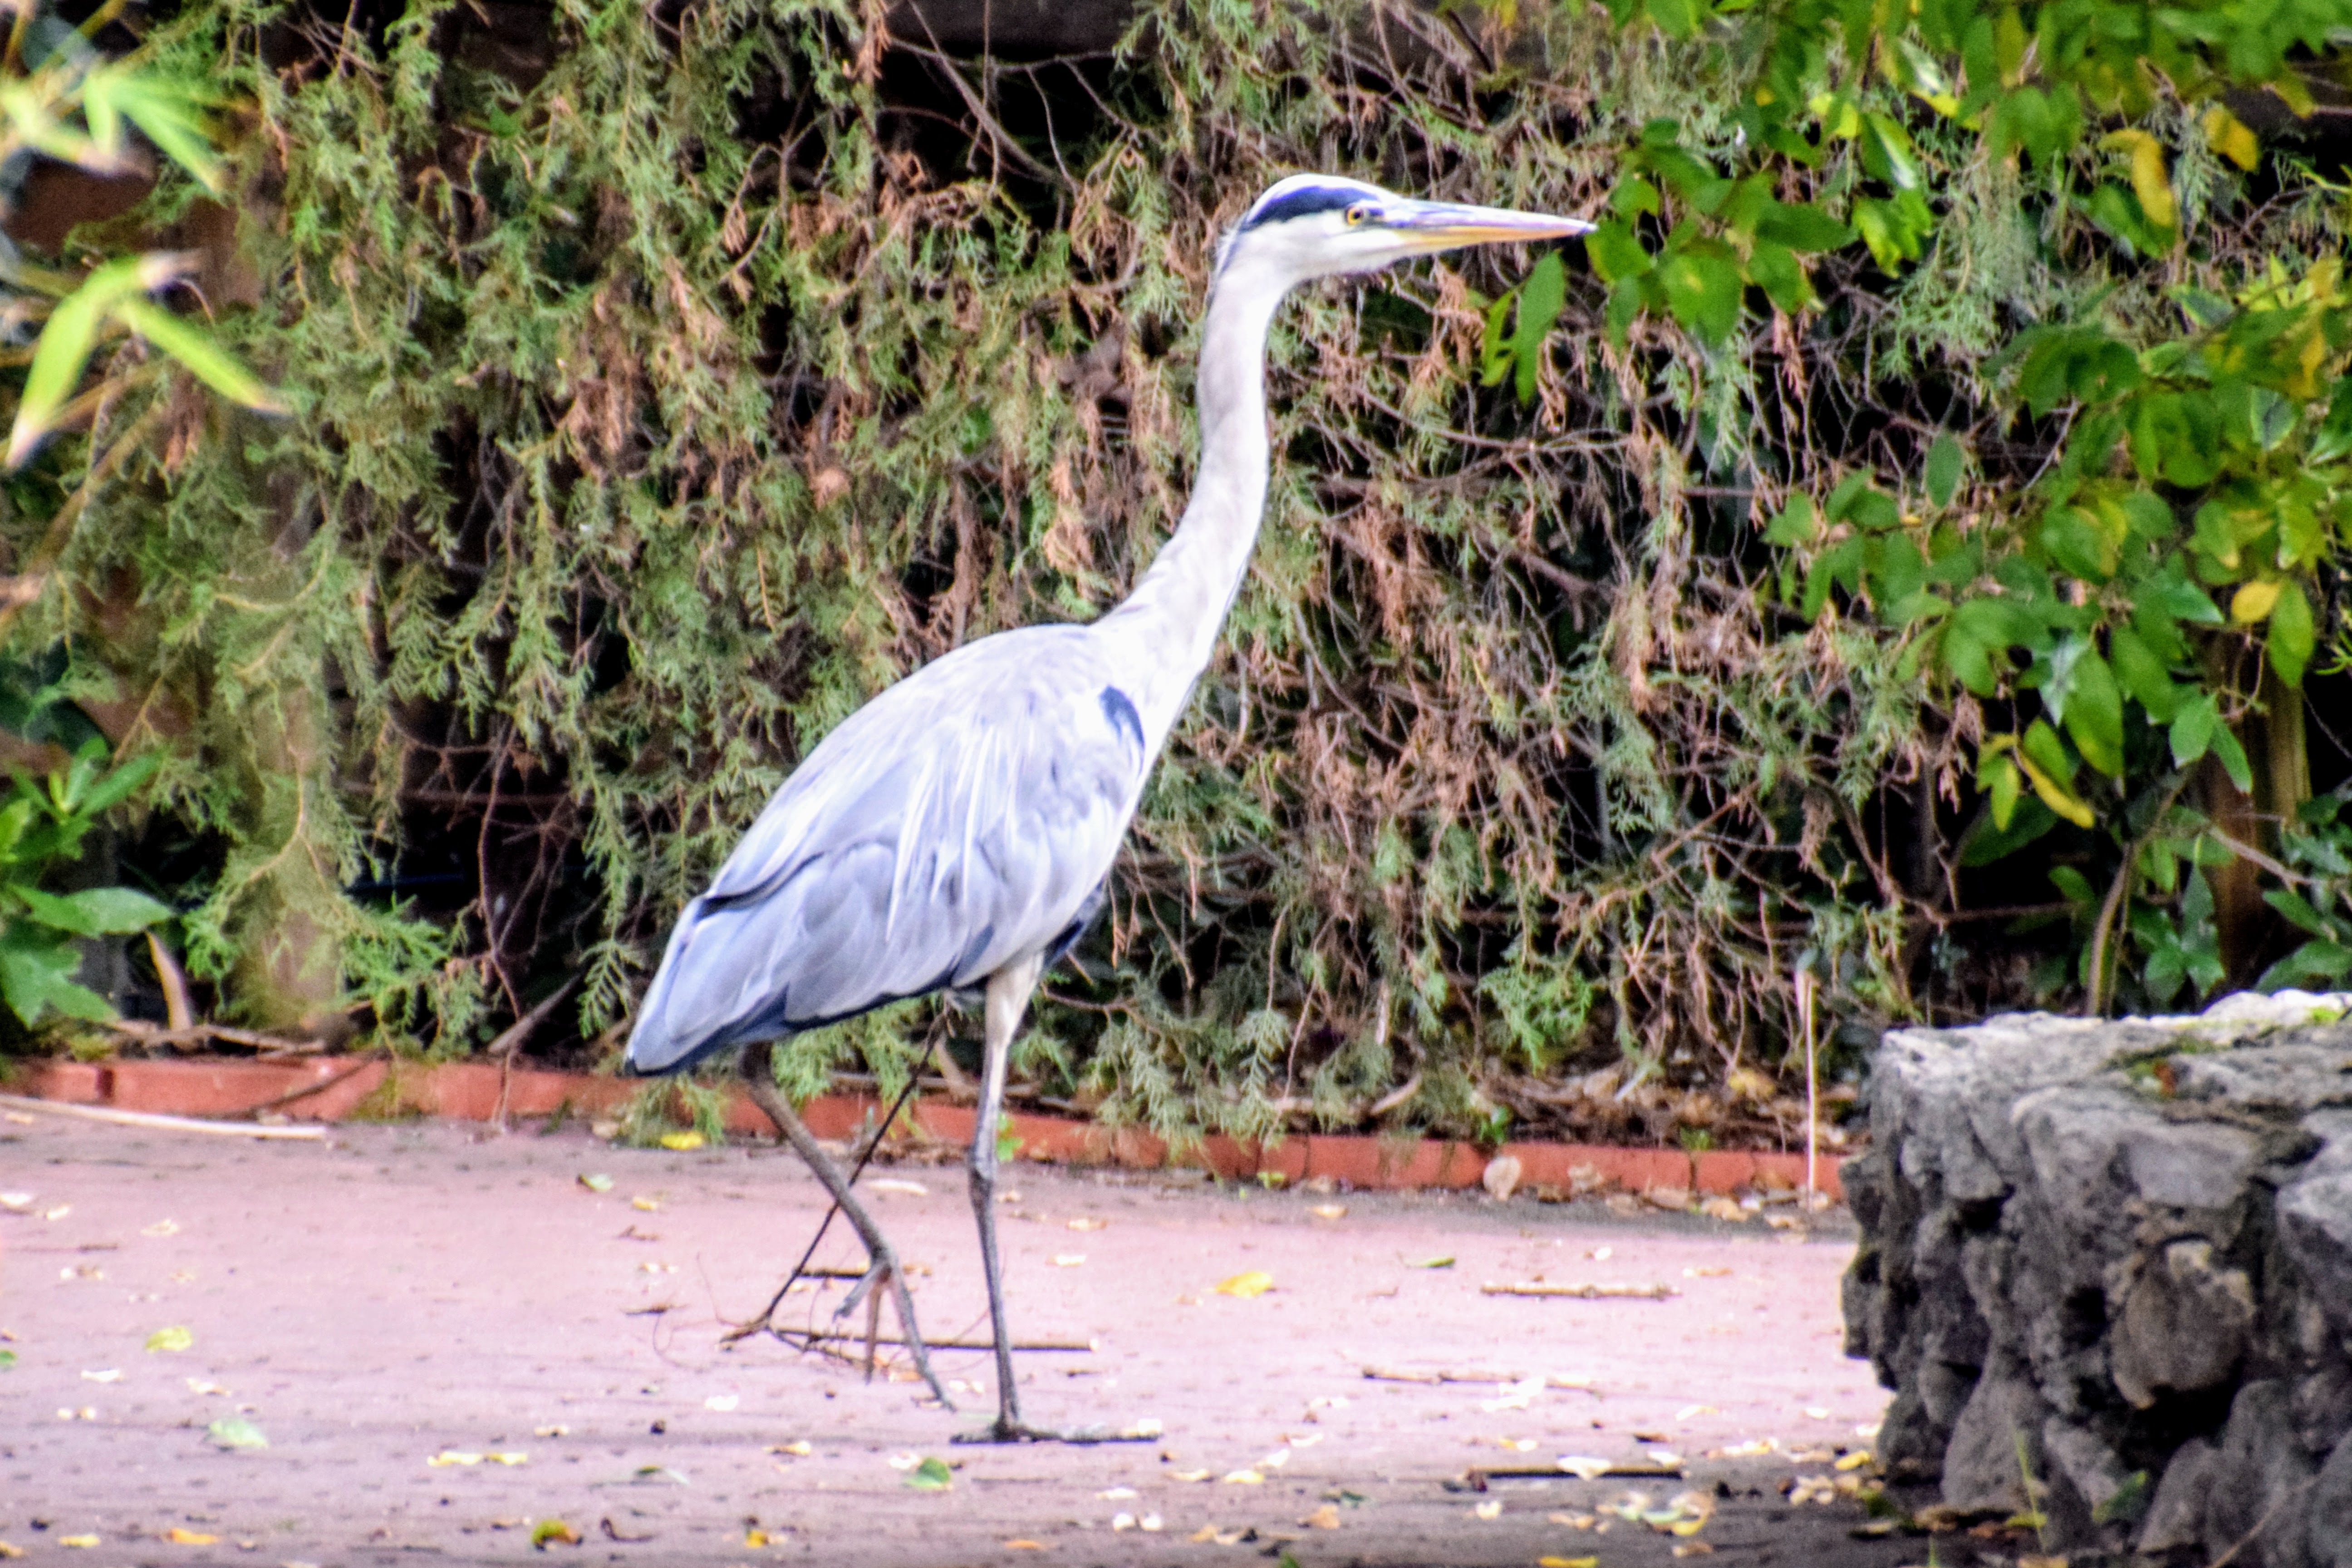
<point x="2107" y="1269"/>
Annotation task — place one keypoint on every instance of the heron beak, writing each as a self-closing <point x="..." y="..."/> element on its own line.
<point x="1443" y="225"/>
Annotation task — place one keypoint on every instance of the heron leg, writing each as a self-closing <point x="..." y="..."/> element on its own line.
<point x="1008" y="997"/>
<point x="759" y="1080"/>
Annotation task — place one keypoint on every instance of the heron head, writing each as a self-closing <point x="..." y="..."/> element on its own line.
<point x="1316" y="226"/>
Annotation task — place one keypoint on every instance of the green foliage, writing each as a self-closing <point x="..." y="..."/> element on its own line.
<point x="42" y="826"/>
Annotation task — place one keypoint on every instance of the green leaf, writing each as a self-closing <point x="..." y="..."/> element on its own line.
<point x="116" y="788"/>
<point x="97" y="911"/>
<point x="235" y="1432"/>
<point x="2143" y="674"/>
<point x="1944" y="460"/>
<point x="202" y="355"/>
<point x="1805" y="227"/>
<point x="1615" y="254"/>
<point x="1796" y="523"/>
<point x="2004" y="784"/>
<point x="2233" y="757"/>
<point x="1990" y="842"/>
<point x="2095" y="714"/>
<point x="2292" y="635"/>
<point x="931" y="1475"/>
<point x="2194" y="727"/>
<point x="1703" y="293"/>
<point x="2299" y="911"/>
<point x="37" y="977"/>
<point x="2323" y="962"/>
<point x="64" y="345"/>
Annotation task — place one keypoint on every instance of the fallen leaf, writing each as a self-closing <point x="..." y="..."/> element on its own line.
<point x="1118" y="1494"/>
<point x="1694" y="1549"/>
<point x="1022" y="1543"/>
<point x="798" y="1449"/>
<point x="1816" y="1412"/>
<point x="7" y="1360"/>
<point x="1256" y="1282"/>
<point x="57" y="1213"/>
<point x="1444" y="1260"/>
<point x="447" y="1458"/>
<point x="1149" y="1521"/>
<point x="1585" y="1467"/>
<point x="599" y="1183"/>
<point x="1087" y="1222"/>
<point x="1568" y="1563"/>
<point x="162" y="1227"/>
<point x="1708" y="1271"/>
<point x="650" y="1205"/>
<point x="235" y="1432"/>
<point x="1203" y="1535"/>
<point x="1189" y="1475"/>
<point x="110" y="1374"/>
<point x="205" y="1385"/>
<point x="1068" y="1259"/>
<point x="512" y="1457"/>
<point x="1243" y="1479"/>
<point x="1274" y="1460"/>
<point x="1689" y="1411"/>
<point x="83" y="1541"/>
<point x="1120" y="1521"/>
<point x="179" y="1536"/>
<point x="931" y="1475"/>
<point x="1330" y="1210"/>
<point x="722" y="1403"/>
<point x="1324" y="1518"/>
<point x="755" y="1538"/>
<point x="898" y="1184"/>
<point x="1491" y="1509"/>
<point x="556" y="1430"/>
<point x="16" y="1203"/>
<point x="174" y="1338"/>
<point x="7" y="1550"/>
<point x="1854" y="1460"/>
<point x="1148" y="1426"/>
<point x="681" y="1141"/>
<point x="1573" y="1520"/>
<point x="2042" y="1563"/>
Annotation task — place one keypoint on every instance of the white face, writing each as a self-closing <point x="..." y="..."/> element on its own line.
<point x="1316" y="226"/>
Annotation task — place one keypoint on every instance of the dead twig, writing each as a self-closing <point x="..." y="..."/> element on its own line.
<point x="1584" y="1292"/>
<point x="159" y="1123"/>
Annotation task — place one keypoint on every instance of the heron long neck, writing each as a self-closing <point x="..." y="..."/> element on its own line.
<point x="1167" y="629"/>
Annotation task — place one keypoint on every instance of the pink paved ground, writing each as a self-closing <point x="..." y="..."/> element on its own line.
<point x="398" y="1291"/>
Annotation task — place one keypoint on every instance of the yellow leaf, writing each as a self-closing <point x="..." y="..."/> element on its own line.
<point x="9" y="1550"/>
<point x="755" y="1538"/>
<point x="1568" y="1563"/>
<point x="1022" y="1543"/>
<point x="1324" y="1518"/>
<point x="76" y="1540"/>
<point x="1244" y="1478"/>
<point x="180" y="1537"/>
<point x="548" y="1530"/>
<point x="2055" y="795"/>
<point x="1854" y="1460"/>
<point x="1491" y="1509"/>
<point x="650" y="1205"/>
<point x="2253" y="603"/>
<point x="447" y="1458"/>
<point x="2231" y="138"/>
<point x="1694" y="1549"/>
<point x="681" y="1141"/>
<point x="174" y="1338"/>
<point x="2148" y="177"/>
<point x="1330" y="1210"/>
<point x="510" y="1458"/>
<point x="1256" y="1282"/>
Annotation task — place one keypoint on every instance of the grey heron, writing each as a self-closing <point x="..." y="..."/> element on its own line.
<point x="955" y="833"/>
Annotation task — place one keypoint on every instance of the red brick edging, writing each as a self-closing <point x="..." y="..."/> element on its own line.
<point x="469" y="1091"/>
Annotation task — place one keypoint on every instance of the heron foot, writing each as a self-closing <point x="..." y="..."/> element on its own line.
<point x="1003" y="1430"/>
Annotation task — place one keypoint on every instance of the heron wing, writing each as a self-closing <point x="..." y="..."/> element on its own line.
<point x="957" y="822"/>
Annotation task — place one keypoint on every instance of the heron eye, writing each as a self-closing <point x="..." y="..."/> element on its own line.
<point x="1360" y="213"/>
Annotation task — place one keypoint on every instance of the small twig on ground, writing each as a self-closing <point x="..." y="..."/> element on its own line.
<point x="1584" y="1292"/>
<point x="1403" y="1374"/>
<point x="161" y="1123"/>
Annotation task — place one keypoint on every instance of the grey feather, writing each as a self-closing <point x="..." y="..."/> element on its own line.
<point x="960" y="820"/>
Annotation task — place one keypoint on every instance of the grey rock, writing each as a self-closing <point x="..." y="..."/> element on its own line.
<point x="2183" y="1326"/>
<point x="2255" y="1502"/>
<point x="2084" y="1460"/>
<point x="2067" y="1249"/>
<point x="2315" y="1223"/>
<point x="1997" y="1436"/>
<point x="2176" y="1516"/>
<point x="2289" y="1075"/>
<point x="2330" y="1528"/>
